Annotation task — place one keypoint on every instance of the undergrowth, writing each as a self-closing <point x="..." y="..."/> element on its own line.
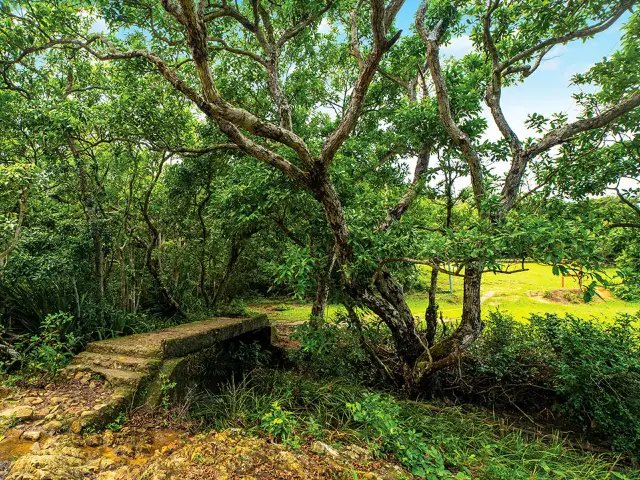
<point x="585" y="373"/>
<point x="434" y="442"/>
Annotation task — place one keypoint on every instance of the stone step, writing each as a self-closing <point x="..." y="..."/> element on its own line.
<point x="113" y="376"/>
<point x="115" y="361"/>
<point x="111" y="347"/>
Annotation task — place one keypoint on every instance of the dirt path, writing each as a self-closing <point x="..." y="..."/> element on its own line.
<point x="487" y="296"/>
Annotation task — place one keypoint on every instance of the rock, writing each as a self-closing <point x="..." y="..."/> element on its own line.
<point x="56" y="400"/>
<point x="76" y="427"/>
<point x="216" y="455"/>
<point x="123" y="451"/>
<point x="18" y="413"/>
<point x="323" y="448"/>
<point x="5" y="393"/>
<point x="32" y="435"/>
<point x="56" y="461"/>
<point x="53" y="426"/>
<point x="35" y="447"/>
<point x="108" y="438"/>
<point x="86" y="413"/>
<point x="119" y="474"/>
<point x="93" y="440"/>
<point x="37" y="401"/>
<point x="78" y="375"/>
<point x="92" y="384"/>
<point x="355" y="453"/>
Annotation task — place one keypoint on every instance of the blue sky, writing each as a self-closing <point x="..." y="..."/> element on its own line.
<point x="548" y="90"/>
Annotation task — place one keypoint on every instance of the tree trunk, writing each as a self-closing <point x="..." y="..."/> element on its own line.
<point x="389" y="304"/>
<point x="234" y="256"/>
<point x="431" y="314"/>
<point x="447" y="351"/>
<point x="203" y="254"/>
<point x="322" y="291"/>
<point x="153" y="264"/>
<point x="88" y="201"/>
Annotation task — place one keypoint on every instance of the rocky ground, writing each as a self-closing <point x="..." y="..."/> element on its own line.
<point x="42" y="437"/>
<point x="56" y="431"/>
<point x="157" y="454"/>
<point x="68" y="404"/>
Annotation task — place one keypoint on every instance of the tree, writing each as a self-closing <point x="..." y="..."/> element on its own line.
<point x="514" y="38"/>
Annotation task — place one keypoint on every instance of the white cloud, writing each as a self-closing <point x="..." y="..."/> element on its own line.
<point x="100" y="26"/>
<point x="325" y="26"/>
<point x="458" y="47"/>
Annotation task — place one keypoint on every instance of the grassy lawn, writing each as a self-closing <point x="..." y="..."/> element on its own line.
<point x="511" y="293"/>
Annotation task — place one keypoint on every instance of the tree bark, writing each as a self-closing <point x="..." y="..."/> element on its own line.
<point x="390" y="305"/>
<point x="431" y="314"/>
<point x="16" y="234"/>
<point x="234" y="256"/>
<point x="88" y="201"/>
<point x="322" y="290"/>
<point x="447" y="351"/>
<point x="153" y="264"/>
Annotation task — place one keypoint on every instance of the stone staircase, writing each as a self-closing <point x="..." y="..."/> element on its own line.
<point x="116" y="369"/>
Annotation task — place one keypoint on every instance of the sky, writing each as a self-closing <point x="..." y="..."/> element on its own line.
<point x="547" y="90"/>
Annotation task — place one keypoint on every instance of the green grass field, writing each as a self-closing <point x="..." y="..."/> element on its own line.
<point x="520" y="294"/>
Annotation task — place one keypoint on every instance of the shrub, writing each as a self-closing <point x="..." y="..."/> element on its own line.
<point x="597" y="373"/>
<point x="332" y="349"/>
<point x="381" y="418"/>
<point x="587" y="370"/>
<point x="278" y="422"/>
<point x="628" y="290"/>
<point x="52" y="348"/>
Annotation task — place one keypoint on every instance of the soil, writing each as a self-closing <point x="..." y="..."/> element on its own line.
<point x="568" y="296"/>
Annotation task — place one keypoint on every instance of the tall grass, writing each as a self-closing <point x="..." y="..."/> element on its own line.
<point x="475" y="442"/>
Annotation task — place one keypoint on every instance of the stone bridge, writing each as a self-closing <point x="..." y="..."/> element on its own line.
<point x="113" y="375"/>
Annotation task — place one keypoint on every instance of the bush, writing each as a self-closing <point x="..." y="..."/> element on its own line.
<point x="333" y="350"/>
<point x="52" y="348"/>
<point x="587" y="370"/>
<point x="388" y="434"/>
<point x="597" y="374"/>
<point x="278" y="422"/>
<point x="628" y="290"/>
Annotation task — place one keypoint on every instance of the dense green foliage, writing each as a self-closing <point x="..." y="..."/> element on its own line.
<point x="586" y="371"/>
<point x="162" y="162"/>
